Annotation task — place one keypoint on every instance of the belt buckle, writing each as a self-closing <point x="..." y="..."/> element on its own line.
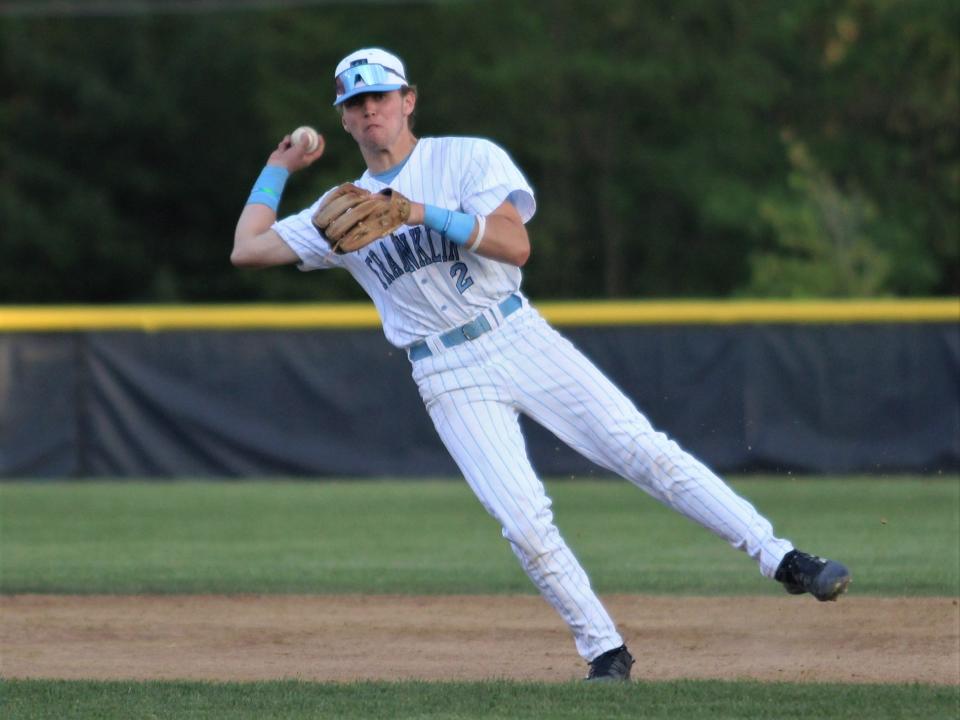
<point x="472" y="330"/>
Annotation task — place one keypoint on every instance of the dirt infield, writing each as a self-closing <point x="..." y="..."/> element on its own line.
<point x="354" y="637"/>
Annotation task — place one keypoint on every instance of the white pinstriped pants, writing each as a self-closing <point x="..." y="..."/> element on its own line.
<point x="474" y="393"/>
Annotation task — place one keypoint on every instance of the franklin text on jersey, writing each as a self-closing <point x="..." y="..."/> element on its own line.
<point x="414" y="249"/>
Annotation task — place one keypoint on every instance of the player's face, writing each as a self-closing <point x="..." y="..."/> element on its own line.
<point x="377" y="120"/>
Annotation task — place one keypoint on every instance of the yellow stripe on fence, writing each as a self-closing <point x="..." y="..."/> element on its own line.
<point x="753" y="311"/>
<point x="188" y="317"/>
<point x="150" y="318"/>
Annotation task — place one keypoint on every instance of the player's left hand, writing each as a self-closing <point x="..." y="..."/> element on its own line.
<point x="351" y="218"/>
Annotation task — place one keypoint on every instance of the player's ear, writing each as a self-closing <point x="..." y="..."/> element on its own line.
<point x="409" y="100"/>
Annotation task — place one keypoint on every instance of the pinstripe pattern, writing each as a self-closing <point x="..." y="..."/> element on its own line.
<point x="474" y="393"/>
<point x="478" y="424"/>
<point x="573" y="399"/>
<point x="469" y="175"/>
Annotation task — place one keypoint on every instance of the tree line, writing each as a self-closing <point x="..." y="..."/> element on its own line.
<point x="731" y="148"/>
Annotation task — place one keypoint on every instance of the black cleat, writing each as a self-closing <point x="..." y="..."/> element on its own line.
<point x="611" y="666"/>
<point x="802" y="573"/>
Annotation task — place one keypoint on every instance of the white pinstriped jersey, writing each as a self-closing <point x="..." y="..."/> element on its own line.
<point x="475" y="390"/>
<point x="420" y="283"/>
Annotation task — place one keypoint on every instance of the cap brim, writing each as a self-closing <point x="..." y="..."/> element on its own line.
<point x="365" y="89"/>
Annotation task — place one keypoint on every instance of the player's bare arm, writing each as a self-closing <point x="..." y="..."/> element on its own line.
<point x="255" y="245"/>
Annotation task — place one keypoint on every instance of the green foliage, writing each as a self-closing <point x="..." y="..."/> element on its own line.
<point x="823" y="247"/>
<point x="292" y="700"/>
<point x="652" y="133"/>
<point x="899" y="537"/>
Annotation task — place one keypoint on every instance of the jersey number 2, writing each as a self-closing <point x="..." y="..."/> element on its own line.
<point x="459" y="271"/>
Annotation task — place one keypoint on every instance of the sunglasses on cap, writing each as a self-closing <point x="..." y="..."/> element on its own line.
<point x="367" y="78"/>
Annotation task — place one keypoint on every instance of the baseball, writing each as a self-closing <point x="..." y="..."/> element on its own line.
<point x="313" y="137"/>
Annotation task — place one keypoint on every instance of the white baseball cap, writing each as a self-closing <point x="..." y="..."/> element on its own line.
<point x="368" y="70"/>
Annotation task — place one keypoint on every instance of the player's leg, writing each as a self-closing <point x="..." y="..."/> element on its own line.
<point x="562" y="390"/>
<point x="483" y="436"/>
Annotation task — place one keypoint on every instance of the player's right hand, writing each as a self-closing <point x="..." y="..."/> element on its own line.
<point x="294" y="157"/>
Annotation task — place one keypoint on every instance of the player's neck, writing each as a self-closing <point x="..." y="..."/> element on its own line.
<point x="381" y="159"/>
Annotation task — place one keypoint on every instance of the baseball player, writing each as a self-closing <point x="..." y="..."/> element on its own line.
<point x="434" y="231"/>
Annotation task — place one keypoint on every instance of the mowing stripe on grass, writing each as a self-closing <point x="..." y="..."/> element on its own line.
<point x="899" y="536"/>
<point x="291" y="700"/>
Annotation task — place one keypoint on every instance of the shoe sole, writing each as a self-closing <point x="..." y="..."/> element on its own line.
<point x="832" y="582"/>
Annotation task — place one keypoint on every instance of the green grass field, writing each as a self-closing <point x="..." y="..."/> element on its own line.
<point x="701" y="700"/>
<point x="901" y="536"/>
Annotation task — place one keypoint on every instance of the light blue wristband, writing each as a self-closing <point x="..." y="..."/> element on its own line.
<point x="269" y="187"/>
<point x="455" y="226"/>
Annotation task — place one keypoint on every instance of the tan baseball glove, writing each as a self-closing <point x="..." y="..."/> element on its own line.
<point x="351" y="217"/>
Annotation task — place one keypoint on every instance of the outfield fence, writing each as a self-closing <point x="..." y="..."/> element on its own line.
<point x="315" y="391"/>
